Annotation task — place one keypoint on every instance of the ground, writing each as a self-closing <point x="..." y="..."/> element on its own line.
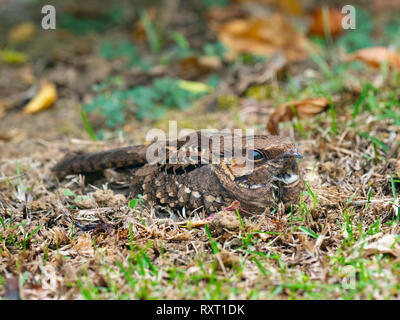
<point x="79" y="238"/>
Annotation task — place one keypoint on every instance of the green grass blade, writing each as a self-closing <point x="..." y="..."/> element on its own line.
<point x="309" y="232"/>
<point x="88" y="126"/>
<point x="361" y="99"/>
<point x="214" y="246"/>
<point x="240" y="219"/>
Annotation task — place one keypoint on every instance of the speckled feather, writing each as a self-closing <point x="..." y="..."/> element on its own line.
<point x="195" y="183"/>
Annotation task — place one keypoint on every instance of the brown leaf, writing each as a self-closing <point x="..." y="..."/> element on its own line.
<point x="387" y="244"/>
<point x="217" y="15"/>
<point x="233" y="206"/>
<point x="197" y="224"/>
<point x="4" y="136"/>
<point x="192" y="67"/>
<point x="306" y="108"/>
<point x="292" y="7"/>
<point x="263" y="36"/>
<point x="376" y="56"/>
<point x="318" y="26"/>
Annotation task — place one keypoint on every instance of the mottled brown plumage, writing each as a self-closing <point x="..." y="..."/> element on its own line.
<point x="192" y="177"/>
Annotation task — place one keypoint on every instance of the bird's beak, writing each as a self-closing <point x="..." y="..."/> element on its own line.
<point x="292" y="153"/>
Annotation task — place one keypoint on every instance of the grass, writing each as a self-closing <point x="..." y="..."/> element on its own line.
<point x="88" y="126"/>
<point x="320" y="62"/>
<point x="151" y="32"/>
<point x="333" y="116"/>
<point x="240" y="219"/>
<point x="140" y="279"/>
<point x="316" y="250"/>
<point x="27" y="237"/>
<point x="214" y="245"/>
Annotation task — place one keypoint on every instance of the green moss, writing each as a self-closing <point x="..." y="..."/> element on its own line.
<point x="227" y="102"/>
<point x="260" y="93"/>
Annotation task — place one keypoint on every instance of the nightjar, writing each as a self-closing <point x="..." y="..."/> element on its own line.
<point x="204" y="170"/>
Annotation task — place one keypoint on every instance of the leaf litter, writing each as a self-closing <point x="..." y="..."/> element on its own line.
<point x="83" y="243"/>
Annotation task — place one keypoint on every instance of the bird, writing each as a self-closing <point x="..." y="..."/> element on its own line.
<point x="203" y="170"/>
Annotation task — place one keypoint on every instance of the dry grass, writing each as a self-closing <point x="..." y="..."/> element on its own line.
<point x="76" y="238"/>
<point x="91" y="244"/>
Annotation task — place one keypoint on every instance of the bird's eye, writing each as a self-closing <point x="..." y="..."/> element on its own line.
<point x="255" y="155"/>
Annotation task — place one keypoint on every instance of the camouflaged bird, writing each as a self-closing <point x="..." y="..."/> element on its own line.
<point x="204" y="171"/>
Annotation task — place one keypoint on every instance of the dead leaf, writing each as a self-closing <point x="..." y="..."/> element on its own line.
<point x="291" y="6"/>
<point x="376" y="56"/>
<point x="305" y="109"/>
<point x="45" y="98"/>
<point x="193" y="67"/>
<point x="22" y="32"/>
<point x="233" y="206"/>
<point x="211" y="62"/>
<point x="218" y="15"/>
<point x="198" y="223"/>
<point x="263" y="36"/>
<point x="386" y="244"/>
<point x="4" y="136"/>
<point x="318" y="26"/>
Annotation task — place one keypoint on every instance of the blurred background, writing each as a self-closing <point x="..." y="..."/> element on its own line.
<point x="132" y="65"/>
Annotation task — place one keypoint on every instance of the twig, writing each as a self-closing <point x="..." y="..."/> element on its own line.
<point x="11" y="178"/>
<point x="87" y="142"/>
<point x="361" y="202"/>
